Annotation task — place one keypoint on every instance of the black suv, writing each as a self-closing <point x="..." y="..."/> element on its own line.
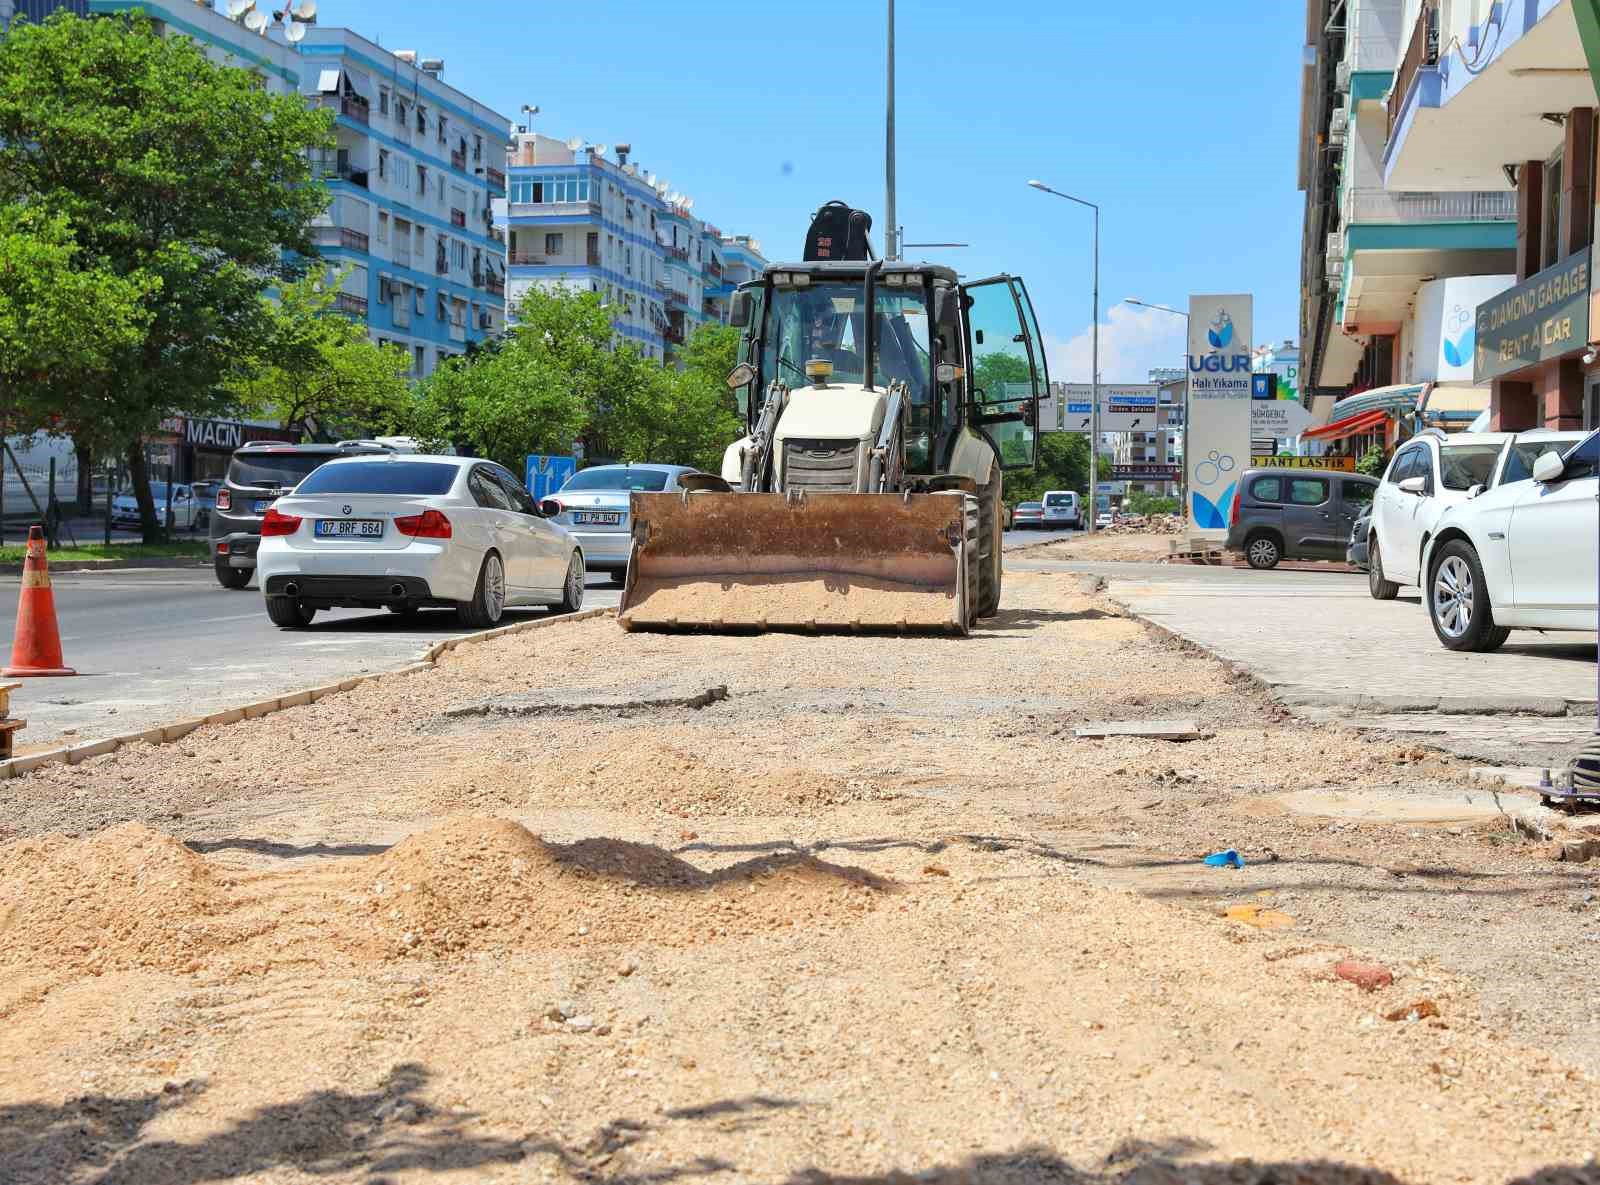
<point x="258" y="475"/>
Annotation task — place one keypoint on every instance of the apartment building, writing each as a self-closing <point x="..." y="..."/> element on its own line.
<point x="1374" y="240"/>
<point x="1501" y="95"/>
<point x="576" y="217"/>
<point x="413" y="174"/>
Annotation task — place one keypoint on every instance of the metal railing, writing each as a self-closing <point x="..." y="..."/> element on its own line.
<point x="495" y="285"/>
<point x="593" y="256"/>
<point x="1421" y="50"/>
<point x="497" y="180"/>
<point x="673" y="333"/>
<point x="357" y="109"/>
<point x="441" y="267"/>
<point x="678" y="298"/>
<point x="1389" y="206"/>
<point x="529" y="258"/>
<point x="340" y="236"/>
<point x="349" y="302"/>
<point x="458" y="159"/>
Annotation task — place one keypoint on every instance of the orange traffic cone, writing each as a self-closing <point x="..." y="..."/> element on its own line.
<point x="36" y="649"/>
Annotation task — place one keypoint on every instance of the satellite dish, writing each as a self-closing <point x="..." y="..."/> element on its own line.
<point x="237" y="8"/>
<point x="650" y="180"/>
<point x="575" y="143"/>
<point x="688" y="203"/>
<point x="306" y="10"/>
<point x="255" y="21"/>
<point x="601" y="149"/>
<point x="631" y="170"/>
<point x="295" y="32"/>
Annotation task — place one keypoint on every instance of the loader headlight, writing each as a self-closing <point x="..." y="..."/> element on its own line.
<point x="819" y="370"/>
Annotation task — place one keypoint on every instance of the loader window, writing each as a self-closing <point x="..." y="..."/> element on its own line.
<point x="1005" y="380"/>
<point x="828" y="321"/>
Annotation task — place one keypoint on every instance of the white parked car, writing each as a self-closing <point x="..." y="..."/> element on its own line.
<point x="593" y="508"/>
<point x="187" y="511"/>
<point x="1062" y="509"/>
<point x="1520" y="556"/>
<point x="1426" y="476"/>
<point x="404" y="532"/>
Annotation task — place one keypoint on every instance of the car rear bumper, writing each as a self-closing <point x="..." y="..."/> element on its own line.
<point x="603" y="549"/>
<point x="445" y="572"/>
<point x="351" y="592"/>
<point x="237" y="550"/>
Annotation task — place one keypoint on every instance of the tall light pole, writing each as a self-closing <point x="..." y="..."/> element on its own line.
<point x="1183" y="481"/>
<point x="891" y="222"/>
<point x="1094" y="359"/>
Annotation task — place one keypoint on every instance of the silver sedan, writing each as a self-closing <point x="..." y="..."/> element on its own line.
<point x="594" y="508"/>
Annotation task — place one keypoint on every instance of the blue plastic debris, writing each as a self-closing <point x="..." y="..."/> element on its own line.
<point x="1227" y="859"/>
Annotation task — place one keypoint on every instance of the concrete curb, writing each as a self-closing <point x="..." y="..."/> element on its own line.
<point x="168" y="733"/>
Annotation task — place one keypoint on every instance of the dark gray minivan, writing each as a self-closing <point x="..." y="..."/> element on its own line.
<point x="1296" y="514"/>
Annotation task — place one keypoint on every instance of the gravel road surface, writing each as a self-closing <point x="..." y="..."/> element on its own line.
<point x="870" y="914"/>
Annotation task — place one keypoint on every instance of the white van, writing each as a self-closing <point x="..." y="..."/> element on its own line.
<point x="1062" y="509"/>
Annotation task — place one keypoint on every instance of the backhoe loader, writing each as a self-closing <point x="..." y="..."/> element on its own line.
<point x="866" y="491"/>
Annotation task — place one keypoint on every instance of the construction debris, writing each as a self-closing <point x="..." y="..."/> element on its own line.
<point x="1159" y="730"/>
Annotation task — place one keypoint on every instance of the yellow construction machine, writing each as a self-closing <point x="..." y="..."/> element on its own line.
<point x="866" y="492"/>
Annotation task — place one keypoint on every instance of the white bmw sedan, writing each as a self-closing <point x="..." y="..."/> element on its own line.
<point x="404" y="532"/>
<point x="1522" y="556"/>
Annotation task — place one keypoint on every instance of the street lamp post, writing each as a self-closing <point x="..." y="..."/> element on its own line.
<point x="1094" y="360"/>
<point x="1183" y="482"/>
<point x="891" y="228"/>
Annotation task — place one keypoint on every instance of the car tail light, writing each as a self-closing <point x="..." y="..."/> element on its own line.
<point x="224" y="500"/>
<point x="1233" y="511"/>
<point x="430" y="524"/>
<point x="277" y="523"/>
<point x="222" y="548"/>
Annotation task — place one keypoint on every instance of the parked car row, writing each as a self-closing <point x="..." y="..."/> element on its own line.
<point x="1498" y="530"/>
<point x="1057" y="510"/>
<point x="374" y="524"/>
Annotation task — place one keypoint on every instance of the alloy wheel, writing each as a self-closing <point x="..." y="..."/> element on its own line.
<point x="1452" y="596"/>
<point x="575" y="583"/>
<point x="1263" y="553"/>
<point x="494" y="587"/>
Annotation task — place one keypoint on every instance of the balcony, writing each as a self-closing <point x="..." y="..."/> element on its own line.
<point x="555" y="209"/>
<point x="352" y="106"/>
<point x="673" y="334"/>
<point x="1421" y="50"/>
<point x="458" y="329"/>
<point x="496" y="179"/>
<point x="458" y="218"/>
<point x="441" y="267"/>
<point x="1384" y="206"/>
<point x="349" y="302"/>
<point x="340" y="236"/>
<point x="458" y="159"/>
<point x="713" y="268"/>
<point x="528" y="259"/>
<point x="710" y="308"/>
<point x="680" y="299"/>
<point x="496" y="235"/>
<point x="681" y="254"/>
<point x="495" y="285"/>
<point x="593" y="256"/>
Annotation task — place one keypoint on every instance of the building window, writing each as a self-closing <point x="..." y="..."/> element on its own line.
<point x="422" y="118"/>
<point x="422" y="180"/>
<point x="402" y="112"/>
<point x="420" y="359"/>
<point x="383" y="163"/>
<point x="383" y="226"/>
<point x="477" y="148"/>
<point x="442" y="122"/>
<point x="458" y="253"/>
<point x="383" y="100"/>
<point x="552" y="244"/>
<point x="1551" y="246"/>
<point x="443" y="308"/>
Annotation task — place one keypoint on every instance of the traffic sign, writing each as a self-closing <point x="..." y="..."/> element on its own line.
<point x="546" y="475"/>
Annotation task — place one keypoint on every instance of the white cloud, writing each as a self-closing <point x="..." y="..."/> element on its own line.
<point x="1133" y="341"/>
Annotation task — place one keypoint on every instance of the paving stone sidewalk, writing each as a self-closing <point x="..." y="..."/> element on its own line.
<point x="1330" y="652"/>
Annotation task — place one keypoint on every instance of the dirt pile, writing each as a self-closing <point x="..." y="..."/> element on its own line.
<point x="1148" y="524"/>
<point x="477" y="884"/>
<point x="126" y="897"/>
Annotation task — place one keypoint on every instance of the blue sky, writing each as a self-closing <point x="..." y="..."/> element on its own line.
<point x="1179" y="119"/>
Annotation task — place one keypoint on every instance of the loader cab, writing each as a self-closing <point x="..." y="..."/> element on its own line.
<point x="969" y="354"/>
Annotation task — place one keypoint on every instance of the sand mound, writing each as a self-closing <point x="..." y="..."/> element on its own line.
<point x="648" y="773"/>
<point x="126" y="897"/>
<point x="475" y="884"/>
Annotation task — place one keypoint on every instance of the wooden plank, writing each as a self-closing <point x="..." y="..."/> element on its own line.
<point x="1161" y="730"/>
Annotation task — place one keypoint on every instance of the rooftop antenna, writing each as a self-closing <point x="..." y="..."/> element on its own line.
<point x="575" y="143"/>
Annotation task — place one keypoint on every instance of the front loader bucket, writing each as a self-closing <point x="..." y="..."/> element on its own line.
<point x="822" y="561"/>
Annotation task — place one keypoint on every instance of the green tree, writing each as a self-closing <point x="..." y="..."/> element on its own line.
<point x="1063" y="465"/>
<point x="502" y="404"/>
<point x="61" y="317"/>
<point x="1373" y="461"/>
<point x="319" y="368"/>
<point x="170" y="168"/>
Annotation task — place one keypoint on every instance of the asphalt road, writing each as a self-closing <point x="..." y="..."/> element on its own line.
<point x="155" y="646"/>
<point x="1034" y="535"/>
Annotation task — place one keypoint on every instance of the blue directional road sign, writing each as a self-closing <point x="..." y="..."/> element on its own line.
<point x="546" y="475"/>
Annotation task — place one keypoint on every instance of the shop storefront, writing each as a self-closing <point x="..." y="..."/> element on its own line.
<point x="201" y="448"/>
<point x="1531" y="343"/>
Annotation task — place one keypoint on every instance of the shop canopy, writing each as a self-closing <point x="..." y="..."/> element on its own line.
<point x="1355" y="425"/>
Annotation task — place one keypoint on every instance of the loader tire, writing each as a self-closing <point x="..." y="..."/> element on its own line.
<point x="989" y="549"/>
<point x="974" y="520"/>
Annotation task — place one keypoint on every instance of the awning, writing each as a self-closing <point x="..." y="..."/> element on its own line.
<point x="328" y="82"/>
<point x="1402" y="397"/>
<point x="1355" y="425"/>
<point x="1462" y="399"/>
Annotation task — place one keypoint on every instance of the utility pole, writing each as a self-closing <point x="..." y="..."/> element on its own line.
<point x="891" y="222"/>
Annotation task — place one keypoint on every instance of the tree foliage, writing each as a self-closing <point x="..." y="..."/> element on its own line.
<point x="169" y="168"/>
<point x="558" y="378"/>
<point x="319" y="369"/>
<point x="1063" y="465"/>
<point x="62" y="317"/>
